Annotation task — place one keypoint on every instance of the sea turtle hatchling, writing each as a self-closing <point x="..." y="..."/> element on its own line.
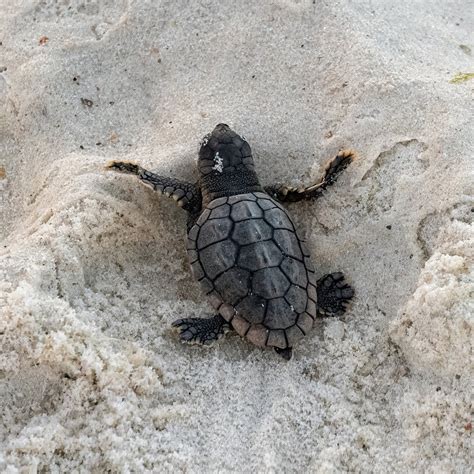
<point x="244" y="249"/>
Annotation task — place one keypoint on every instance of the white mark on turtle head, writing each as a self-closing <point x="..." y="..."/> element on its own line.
<point x="204" y="140"/>
<point x="218" y="163"/>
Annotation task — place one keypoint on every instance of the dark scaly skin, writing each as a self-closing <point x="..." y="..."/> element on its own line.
<point x="187" y="195"/>
<point x="226" y="169"/>
<point x="202" y="331"/>
<point x="332" y="171"/>
<point x="333" y="295"/>
<point x="238" y="174"/>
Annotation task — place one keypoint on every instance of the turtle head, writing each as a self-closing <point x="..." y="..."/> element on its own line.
<point x="225" y="163"/>
<point x="224" y="151"/>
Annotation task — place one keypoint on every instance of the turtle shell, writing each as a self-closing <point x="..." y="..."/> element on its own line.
<point x="257" y="272"/>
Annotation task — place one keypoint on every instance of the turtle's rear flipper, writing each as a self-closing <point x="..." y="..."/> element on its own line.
<point x="333" y="294"/>
<point x="332" y="171"/>
<point x="186" y="195"/>
<point x="203" y="331"/>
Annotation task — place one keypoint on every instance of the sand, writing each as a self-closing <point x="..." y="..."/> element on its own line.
<point x="93" y="265"/>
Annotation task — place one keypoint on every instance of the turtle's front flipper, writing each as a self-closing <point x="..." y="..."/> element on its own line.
<point x="333" y="294"/>
<point x="201" y="330"/>
<point x="186" y="195"/>
<point x="334" y="167"/>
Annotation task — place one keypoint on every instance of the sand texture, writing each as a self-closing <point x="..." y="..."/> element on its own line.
<point x="93" y="266"/>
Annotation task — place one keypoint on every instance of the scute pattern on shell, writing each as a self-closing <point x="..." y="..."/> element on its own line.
<point x="255" y="269"/>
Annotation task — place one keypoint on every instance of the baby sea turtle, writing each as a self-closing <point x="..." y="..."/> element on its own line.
<point x="244" y="249"/>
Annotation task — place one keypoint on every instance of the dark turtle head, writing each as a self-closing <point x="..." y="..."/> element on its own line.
<point x="225" y="164"/>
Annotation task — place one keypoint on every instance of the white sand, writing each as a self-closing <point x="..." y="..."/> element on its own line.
<point x="94" y="267"/>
